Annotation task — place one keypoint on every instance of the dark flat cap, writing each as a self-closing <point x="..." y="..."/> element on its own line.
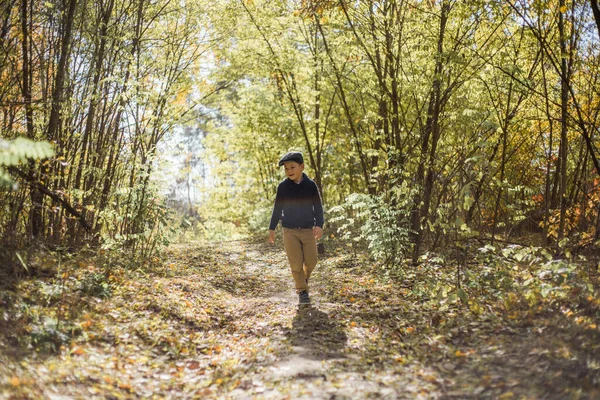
<point x="292" y="156"/>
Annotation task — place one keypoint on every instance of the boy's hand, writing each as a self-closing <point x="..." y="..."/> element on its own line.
<point x="318" y="232"/>
<point x="271" y="236"/>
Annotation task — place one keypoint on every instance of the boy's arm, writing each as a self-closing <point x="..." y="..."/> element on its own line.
<point x="276" y="215"/>
<point x="318" y="210"/>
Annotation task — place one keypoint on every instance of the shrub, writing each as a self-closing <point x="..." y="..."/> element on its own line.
<point x="381" y="222"/>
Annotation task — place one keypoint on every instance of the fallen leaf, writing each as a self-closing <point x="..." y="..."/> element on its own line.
<point x="15" y="381"/>
<point x="193" y="365"/>
<point x="77" y="351"/>
<point x="460" y="354"/>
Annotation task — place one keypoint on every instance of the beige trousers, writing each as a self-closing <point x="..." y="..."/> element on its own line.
<point x="301" y="249"/>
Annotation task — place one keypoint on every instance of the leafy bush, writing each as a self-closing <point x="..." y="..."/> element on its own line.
<point x="95" y="284"/>
<point x="527" y="276"/>
<point x="379" y="221"/>
<point x="497" y="268"/>
<point x="47" y="336"/>
<point x="16" y="151"/>
<point x="141" y="229"/>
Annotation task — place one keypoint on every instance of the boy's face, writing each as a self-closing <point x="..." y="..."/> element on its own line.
<point x="293" y="170"/>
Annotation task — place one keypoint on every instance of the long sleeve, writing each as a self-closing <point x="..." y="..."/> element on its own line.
<point x="277" y="209"/>
<point x="318" y="208"/>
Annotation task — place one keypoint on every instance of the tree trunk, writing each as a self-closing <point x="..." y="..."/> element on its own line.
<point x="36" y="197"/>
<point x="505" y="125"/>
<point x="564" y="100"/>
<point x="420" y="212"/>
<point x="318" y="67"/>
<point x="61" y="72"/>
<point x="596" y="11"/>
<point x="26" y="88"/>
<point x="353" y="129"/>
<point x="547" y="183"/>
<point x="99" y="55"/>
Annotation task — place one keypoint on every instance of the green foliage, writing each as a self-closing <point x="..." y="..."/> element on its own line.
<point x="144" y="79"/>
<point x="47" y="336"/>
<point x="379" y="221"/>
<point x="14" y="152"/>
<point x="36" y="316"/>
<point x="526" y="277"/>
<point x="95" y="284"/>
<point x="479" y="167"/>
<point x="50" y="293"/>
<point x="218" y="230"/>
<point x="142" y="229"/>
<point x="260" y="218"/>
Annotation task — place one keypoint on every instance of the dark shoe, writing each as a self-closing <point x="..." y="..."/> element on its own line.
<point x="303" y="297"/>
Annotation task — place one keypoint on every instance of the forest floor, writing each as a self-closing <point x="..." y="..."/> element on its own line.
<point x="222" y="321"/>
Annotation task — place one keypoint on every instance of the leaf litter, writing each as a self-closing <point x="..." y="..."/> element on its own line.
<point x="221" y="321"/>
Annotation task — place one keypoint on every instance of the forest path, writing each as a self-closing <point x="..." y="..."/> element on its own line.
<point x="222" y="321"/>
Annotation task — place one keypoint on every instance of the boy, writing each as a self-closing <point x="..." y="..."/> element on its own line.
<point x="298" y="206"/>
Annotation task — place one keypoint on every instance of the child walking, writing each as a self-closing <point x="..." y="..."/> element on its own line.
<point x="298" y="206"/>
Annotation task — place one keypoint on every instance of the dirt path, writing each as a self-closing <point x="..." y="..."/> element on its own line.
<point x="221" y="321"/>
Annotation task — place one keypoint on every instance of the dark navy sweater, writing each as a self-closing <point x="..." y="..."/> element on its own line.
<point x="297" y="205"/>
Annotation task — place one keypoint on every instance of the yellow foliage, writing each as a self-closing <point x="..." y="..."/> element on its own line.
<point x="507" y="395"/>
<point x="459" y="353"/>
<point x="77" y="351"/>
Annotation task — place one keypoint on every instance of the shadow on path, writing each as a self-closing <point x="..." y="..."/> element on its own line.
<point x="315" y="335"/>
<point x="314" y="338"/>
